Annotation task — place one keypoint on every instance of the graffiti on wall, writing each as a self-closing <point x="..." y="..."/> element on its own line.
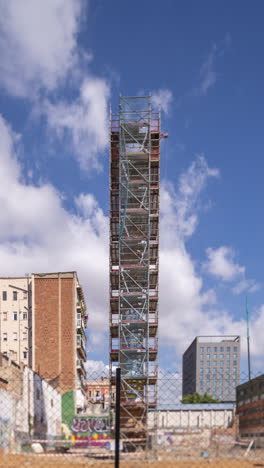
<point x="98" y="425"/>
<point x="91" y="431"/>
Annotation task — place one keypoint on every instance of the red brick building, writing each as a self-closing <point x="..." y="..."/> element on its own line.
<point x="58" y="341"/>
<point x="250" y="410"/>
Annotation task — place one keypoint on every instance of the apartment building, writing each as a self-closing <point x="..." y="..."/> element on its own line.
<point x="15" y="312"/>
<point x="43" y="321"/>
<point x="212" y="365"/>
<point x="59" y="319"/>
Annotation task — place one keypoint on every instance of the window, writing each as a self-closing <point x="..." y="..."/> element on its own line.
<point x="208" y="349"/>
<point x="208" y="389"/>
<point x="201" y="363"/>
<point x="228" y="356"/>
<point x="215" y="356"/>
<point x="208" y="363"/>
<point x="234" y="356"/>
<point x="201" y="350"/>
<point x="227" y="369"/>
<point x="221" y="363"/>
<point x="208" y="377"/>
<point x="228" y="349"/>
<point x="215" y="349"/>
<point x="221" y="356"/>
<point x="234" y="370"/>
<point x="214" y="369"/>
<point x="221" y="349"/>
<point x="208" y="370"/>
<point x="24" y="354"/>
<point x="201" y="356"/>
<point x="4" y="295"/>
<point x="15" y="315"/>
<point x="4" y="336"/>
<point x="221" y="369"/>
<point x="24" y="336"/>
<point x="24" y="315"/>
<point x="214" y="376"/>
<point x="97" y="393"/>
<point x="201" y="371"/>
<point x="215" y="363"/>
<point x="235" y="363"/>
<point x="228" y="363"/>
<point x="4" y="315"/>
<point x="235" y="348"/>
<point x="208" y="356"/>
<point x="14" y="295"/>
<point x="15" y="336"/>
<point x="24" y="294"/>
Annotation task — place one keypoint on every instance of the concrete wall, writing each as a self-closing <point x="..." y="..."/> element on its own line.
<point x="191" y="419"/>
<point x="28" y="406"/>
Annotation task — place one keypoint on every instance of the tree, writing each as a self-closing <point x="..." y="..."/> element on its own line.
<point x="197" y="398"/>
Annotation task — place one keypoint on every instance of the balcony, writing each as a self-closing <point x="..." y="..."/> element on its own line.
<point x="80" y="366"/>
<point x="81" y="345"/>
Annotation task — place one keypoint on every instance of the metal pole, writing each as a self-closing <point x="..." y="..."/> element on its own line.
<point x="248" y="345"/>
<point x="117" y="416"/>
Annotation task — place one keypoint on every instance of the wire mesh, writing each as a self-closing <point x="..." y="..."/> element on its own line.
<point x="42" y="426"/>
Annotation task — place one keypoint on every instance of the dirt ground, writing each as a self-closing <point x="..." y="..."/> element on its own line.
<point x="47" y="461"/>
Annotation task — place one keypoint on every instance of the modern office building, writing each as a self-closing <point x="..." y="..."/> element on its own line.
<point x="250" y="410"/>
<point x="43" y="321"/>
<point x="211" y="364"/>
<point x="134" y="261"/>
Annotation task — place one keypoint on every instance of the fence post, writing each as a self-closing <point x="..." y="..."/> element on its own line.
<point x="117" y="417"/>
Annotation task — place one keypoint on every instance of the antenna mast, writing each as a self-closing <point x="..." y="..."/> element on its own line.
<point x="248" y="344"/>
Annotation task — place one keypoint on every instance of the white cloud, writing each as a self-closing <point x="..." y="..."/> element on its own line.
<point x="84" y="122"/>
<point x="96" y="369"/>
<point x="162" y="99"/>
<point x="208" y="75"/>
<point x="179" y="210"/>
<point x="37" y="43"/>
<point x="38" y="234"/>
<point x="245" y="285"/>
<point x="221" y="263"/>
<point x="187" y="308"/>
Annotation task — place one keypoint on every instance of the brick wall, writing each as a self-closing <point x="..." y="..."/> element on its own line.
<point x="54" y="330"/>
<point x="68" y="328"/>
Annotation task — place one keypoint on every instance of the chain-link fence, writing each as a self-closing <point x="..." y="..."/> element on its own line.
<point x="41" y="424"/>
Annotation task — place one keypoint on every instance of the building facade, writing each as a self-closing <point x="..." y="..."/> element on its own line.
<point x="250" y="409"/>
<point x="15" y="311"/>
<point x="212" y="365"/>
<point x="43" y="320"/>
<point x="28" y="404"/>
<point x="59" y="319"/>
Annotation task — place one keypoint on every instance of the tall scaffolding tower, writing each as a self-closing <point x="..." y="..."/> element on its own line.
<point x="134" y="261"/>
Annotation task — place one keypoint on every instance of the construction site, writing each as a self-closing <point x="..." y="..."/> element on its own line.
<point x="134" y="262"/>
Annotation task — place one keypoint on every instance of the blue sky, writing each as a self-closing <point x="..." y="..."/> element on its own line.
<point x="63" y="63"/>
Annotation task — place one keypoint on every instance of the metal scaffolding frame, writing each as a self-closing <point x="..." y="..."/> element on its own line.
<point x="134" y="261"/>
